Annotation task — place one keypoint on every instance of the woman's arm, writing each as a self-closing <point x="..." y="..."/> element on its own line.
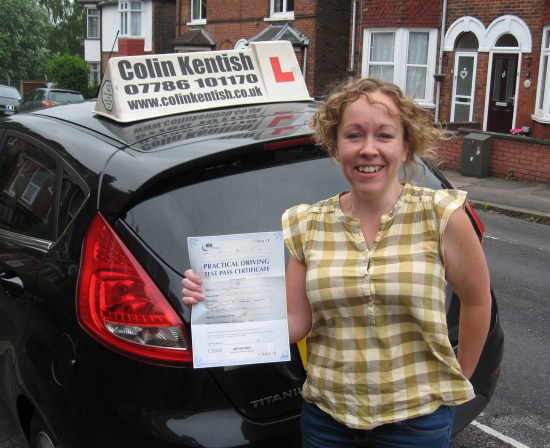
<point x="298" y="308"/>
<point x="468" y="274"/>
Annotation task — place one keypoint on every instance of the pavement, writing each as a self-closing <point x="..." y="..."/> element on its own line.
<point x="526" y="200"/>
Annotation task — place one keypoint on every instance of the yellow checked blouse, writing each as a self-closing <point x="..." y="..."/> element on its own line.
<point x="378" y="351"/>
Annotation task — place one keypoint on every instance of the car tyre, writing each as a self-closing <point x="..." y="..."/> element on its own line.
<point x="39" y="437"/>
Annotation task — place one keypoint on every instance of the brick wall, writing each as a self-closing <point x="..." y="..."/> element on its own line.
<point x="130" y="47"/>
<point x="546" y="12"/>
<point x="529" y="158"/>
<point x="332" y="43"/>
<point x="164" y="26"/>
<point x="401" y="13"/>
<point x="326" y="23"/>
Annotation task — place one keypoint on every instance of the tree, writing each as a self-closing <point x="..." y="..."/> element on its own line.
<point x="24" y="32"/>
<point x="69" y="72"/>
<point x="67" y="35"/>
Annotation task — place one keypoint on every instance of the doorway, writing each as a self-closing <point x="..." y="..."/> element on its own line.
<point x="464" y="83"/>
<point x="500" y="113"/>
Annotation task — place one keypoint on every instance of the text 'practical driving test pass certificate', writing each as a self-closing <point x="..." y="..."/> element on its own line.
<point x="242" y="319"/>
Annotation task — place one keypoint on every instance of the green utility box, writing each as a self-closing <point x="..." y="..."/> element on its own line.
<point x="475" y="155"/>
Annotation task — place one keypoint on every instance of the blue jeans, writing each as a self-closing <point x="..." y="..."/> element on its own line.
<point x="320" y="430"/>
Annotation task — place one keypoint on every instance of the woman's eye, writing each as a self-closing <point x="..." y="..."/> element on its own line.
<point x="386" y="136"/>
<point x="353" y="136"/>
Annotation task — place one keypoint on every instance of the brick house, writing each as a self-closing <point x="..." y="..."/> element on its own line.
<point x="496" y="66"/>
<point x="122" y="27"/>
<point x="495" y="62"/>
<point x="319" y="31"/>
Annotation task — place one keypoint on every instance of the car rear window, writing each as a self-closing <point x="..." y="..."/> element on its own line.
<point x="65" y="97"/>
<point x="238" y="194"/>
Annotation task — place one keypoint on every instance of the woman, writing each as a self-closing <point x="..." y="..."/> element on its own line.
<point x="366" y="282"/>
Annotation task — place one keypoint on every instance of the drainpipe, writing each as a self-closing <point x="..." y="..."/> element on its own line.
<point x="305" y="62"/>
<point x="440" y="67"/>
<point x="351" y="70"/>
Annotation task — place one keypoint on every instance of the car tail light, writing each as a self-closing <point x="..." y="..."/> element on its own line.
<point x="479" y="228"/>
<point x="120" y="305"/>
<point x="48" y="103"/>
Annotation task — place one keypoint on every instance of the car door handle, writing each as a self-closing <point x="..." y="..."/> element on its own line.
<point x="12" y="284"/>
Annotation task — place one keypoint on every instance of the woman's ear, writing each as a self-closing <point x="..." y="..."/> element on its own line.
<point x="336" y="153"/>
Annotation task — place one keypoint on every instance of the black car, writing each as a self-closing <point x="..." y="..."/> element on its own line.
<point x="48" y="96"/>
<point x="10" y="99"/>
<point x="95" y="215"/>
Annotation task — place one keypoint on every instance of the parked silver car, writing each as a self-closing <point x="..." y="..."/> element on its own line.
<point x="48" y="96"/>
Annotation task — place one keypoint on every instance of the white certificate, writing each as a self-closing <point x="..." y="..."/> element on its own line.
<point x="242" y="319"/>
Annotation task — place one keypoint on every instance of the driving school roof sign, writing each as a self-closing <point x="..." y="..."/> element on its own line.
<point x="140" y="87"/>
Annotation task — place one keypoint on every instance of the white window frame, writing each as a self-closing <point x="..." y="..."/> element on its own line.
<point x="400" y="53"/>
<point x="127" y="13"/>
<point x="95" y="73"/>
<point x="285" y="14"/>
<point x="92" y="13"/>
<point x="15" y="185"/>
<point x="542" y="100"/>
<point x="201" y="20"/>
<point x="33" y="187"/>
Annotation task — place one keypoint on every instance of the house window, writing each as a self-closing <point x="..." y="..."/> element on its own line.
<point x="130" y="18"/>
<point x="29" y="181"/>
<point x="282" y="9"/>
<point x="95" y="75"/>
<point x="36" y="183"/>
<point x="198" y="10"/>
<point x="542" y="109"/>
<point x="404" y="57"/>
<point x="93" y="23"/>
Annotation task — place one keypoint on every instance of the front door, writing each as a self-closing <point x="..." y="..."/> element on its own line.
<point x="500" y="117"/>
<point x="464" y="83"/>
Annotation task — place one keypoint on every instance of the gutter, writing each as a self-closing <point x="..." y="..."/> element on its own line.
<point x="440" y="66"/>
<point x="351" y="70"/>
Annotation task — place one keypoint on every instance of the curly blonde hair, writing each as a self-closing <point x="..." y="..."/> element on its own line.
<point x="420" y="130"/>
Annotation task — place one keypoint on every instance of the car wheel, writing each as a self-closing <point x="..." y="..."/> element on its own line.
<point x="39" y="437"/>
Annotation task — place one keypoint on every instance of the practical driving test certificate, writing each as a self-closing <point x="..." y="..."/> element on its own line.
<point x="242" y="319"/>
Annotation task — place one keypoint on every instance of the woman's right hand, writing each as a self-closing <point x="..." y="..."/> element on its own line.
<point x="192" y="292"/>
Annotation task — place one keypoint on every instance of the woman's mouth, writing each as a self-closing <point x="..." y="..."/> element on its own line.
<point x="369" y="169"/>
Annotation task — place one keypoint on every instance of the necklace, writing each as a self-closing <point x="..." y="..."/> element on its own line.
<point x="391" y="210"/>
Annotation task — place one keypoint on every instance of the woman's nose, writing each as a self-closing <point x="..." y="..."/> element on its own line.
<point x="369" y="147"/>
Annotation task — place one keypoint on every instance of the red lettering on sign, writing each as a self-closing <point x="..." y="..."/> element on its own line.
<point x="278" y="119"/>
<point x="279" y="130"/>
<point x="280" y="76"/>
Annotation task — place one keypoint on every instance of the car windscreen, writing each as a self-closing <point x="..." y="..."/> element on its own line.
<point x="8" y="92"/>
<point x="238" y="194"/>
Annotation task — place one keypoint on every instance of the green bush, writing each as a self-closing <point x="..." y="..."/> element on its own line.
<point x="90" y="92"/>
<point x="69" y="72"/>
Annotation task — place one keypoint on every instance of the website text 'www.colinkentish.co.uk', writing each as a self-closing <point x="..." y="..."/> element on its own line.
<point x="192" y="98"/>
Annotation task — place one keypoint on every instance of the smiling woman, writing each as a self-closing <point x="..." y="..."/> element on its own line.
<point x="380" y="362"/>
